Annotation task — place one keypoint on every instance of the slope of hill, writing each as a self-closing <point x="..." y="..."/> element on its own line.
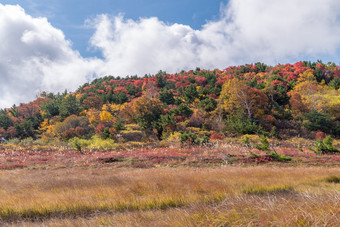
<point x="299" y="99"/>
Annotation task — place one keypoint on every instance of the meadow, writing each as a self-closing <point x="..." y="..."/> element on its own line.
<point x="183" y="196"/>
<point x="221" y="185"/>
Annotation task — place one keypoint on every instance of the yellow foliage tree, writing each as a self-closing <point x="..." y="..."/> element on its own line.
<point x="307" y="76"/>
<point x="313" y="96"/>
<point x="93" y="116"/>
<point x="105" y="116"/>
<point x="235" y="94"/>
<point x="112" y="108"/>
<point x="147" y="111"/>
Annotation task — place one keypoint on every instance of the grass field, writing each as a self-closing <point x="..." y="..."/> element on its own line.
<point x="222" y="185"/>
<point x="164" y="196"/>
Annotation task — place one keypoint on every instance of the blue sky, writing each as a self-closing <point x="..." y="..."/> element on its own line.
<point x="70" y="16"/>
<point x="53" y="45"/>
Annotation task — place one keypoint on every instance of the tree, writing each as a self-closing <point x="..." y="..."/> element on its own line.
<point x="182" y="110"/>
<point x="297" y="105"/>
<point x="69" y="105"/>
<point x="316" y="121"/>
<point x="25" y="129"/>
<point x="261" y="66"/>
<point x="309" y="90"/>
<point x="236" y="94"/>
<point x="237" y="123"/>
<point x="121" y="98"/>
<point x="190" y="93"/>
<point x="335" y="83"/>
<point x="161" y="82"/>
<point x="167" y="97"/>
<point x="208" y="104"/>
<point x="313" y="96"/>
<point x="50" y="108"/>
<point x="196" y="119"/>
<point x="105" y="116"/>
<point x="72" y="126"/>
<point x="168" y="123"/>
<point x="92" y="102"/>
<point x="276" y="89"/>
<point x="5" y="120"/>
<point x="147" y="112"/>
<point x="28" y="110"/>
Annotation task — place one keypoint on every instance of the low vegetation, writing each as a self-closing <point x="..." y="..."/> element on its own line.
<point x="170" y="197"/>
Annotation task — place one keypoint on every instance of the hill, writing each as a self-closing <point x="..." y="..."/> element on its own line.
<point x="300" y="99"/>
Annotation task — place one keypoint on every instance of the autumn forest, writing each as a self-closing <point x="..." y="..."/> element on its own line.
<point x="299" y="99"/>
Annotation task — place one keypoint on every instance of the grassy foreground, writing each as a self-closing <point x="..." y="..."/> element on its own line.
<point x="224" y="196"/>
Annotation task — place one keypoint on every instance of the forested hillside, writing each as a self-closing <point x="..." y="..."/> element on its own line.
<point x="299" y="99"/>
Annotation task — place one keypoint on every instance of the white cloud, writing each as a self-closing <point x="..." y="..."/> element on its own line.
<point x="35" y="56"/>
<point x="270" y="31"/>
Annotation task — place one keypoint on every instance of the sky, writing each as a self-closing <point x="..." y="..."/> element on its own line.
<point x="54" y="45"/>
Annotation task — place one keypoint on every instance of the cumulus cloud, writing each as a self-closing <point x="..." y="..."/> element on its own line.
<point x="35" y="56"/>
<point x="248" y="31"/>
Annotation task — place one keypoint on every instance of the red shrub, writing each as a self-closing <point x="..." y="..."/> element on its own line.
<point x="79" y="131"/>
<point x="216" y="136"/>
<point x="320" y="135"/>
<point x="99" y="128"/>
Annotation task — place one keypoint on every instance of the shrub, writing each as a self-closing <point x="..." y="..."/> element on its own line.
<point x="172" y="138"/>
<point x="189" y="138"/>
<point x="131" y="127"/>
<point x="216" y="136"/>
<point x="280" y="157"/>
<point x="264" y="146"/>
<point x="205" y="140"/>
<point x="320" y="135"/>
<point x="76" y="144"/>
<point x="325" y="146"/>
<point x="105" y="134"/>
<point x="99" y="128"/>
<point x="246" y="141"/>
<point x="27" y="141"/>
<point x="192" y="139"/>
<point x="253" y="155"/>
<point x="99" y="143"/>
<point x="274" y="133"/>
<point x="252" y="139"/>
<point x="132" y="135"/>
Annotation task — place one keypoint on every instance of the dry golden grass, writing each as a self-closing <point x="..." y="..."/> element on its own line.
<point x="260" y="196"/>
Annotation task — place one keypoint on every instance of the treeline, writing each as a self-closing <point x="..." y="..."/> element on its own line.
<point x="298" y="99"/>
